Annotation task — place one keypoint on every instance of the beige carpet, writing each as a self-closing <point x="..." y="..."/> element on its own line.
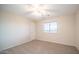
<point x="41" y="47"/>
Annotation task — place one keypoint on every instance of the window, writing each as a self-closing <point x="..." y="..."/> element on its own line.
<point x="50" y="27"/>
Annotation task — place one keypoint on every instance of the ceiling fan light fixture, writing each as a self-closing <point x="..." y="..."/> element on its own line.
<point x="38" y="10"/>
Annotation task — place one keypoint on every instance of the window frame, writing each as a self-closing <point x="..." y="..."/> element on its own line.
<point x="49" y="25"/>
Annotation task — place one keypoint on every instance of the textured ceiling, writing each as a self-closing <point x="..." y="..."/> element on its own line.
<point x="54" y="9"/>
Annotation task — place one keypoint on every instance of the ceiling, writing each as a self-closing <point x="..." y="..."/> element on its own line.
<point x="51" y="10"/>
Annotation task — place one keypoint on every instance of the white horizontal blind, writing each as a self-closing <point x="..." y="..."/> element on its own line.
<point x="50" y="27"/>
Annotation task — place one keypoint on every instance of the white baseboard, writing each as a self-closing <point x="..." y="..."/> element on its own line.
<point x="15" y="45"/>
<point x="56" y="42"/>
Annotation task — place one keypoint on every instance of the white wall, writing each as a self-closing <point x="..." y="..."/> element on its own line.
<point x="15" y="30"/>
<point x="65" y="34"/>
<point x="77" y="30"/>
<point x="32" y="30"/>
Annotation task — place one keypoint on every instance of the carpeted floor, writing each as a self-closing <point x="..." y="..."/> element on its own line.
<point x="41" y="47"/>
